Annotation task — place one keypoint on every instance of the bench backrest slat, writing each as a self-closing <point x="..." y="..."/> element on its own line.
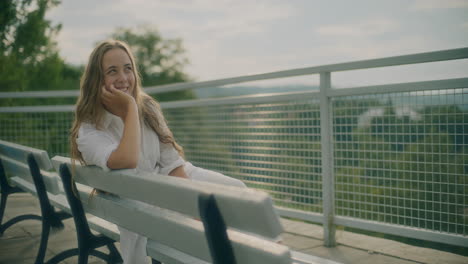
<point x="20" y="153"/>
<point x="258" y="215"/>
<point x="15" y="161"/>
<point x="18" y="169"/>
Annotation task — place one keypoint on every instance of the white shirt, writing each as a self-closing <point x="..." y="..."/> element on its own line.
<point x="96" y="146"/>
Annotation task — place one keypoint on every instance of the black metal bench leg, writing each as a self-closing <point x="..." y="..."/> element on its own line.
<point x="63" y="255"/>
<point x="3" y="201"/>
<point x="18" y="219"/>
<point x="44" y="240"/>
<point x="114" y="255"/>
<point x="101" y="255"/>
<point x="5" y="191"/>
<point x="83" y="257"/>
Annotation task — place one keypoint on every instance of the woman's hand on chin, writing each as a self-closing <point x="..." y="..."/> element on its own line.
<point x="117" y="102"/>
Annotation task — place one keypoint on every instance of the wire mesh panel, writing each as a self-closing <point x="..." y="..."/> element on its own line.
<point x="274" y="146"/>
<point x="402" y="158"/>
<point x="42" y="130"/>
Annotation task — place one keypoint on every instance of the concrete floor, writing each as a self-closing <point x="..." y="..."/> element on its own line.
<point x="19" y="243"/>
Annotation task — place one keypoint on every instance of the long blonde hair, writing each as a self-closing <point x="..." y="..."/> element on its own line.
<point x="90" y="109"/>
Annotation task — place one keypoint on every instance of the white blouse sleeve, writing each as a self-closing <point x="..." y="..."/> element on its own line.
<point x="95" y="146"/>
<point x="170" y="158"/>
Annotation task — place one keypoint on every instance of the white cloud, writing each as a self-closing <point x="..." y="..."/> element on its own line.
<point x="220" y="18"/>
<point x="360" y="49"/>
<point x="438" y="4"/>
<point x="226" y="38"/>
<point x="365" y="28"/>
<point x="205" y="27"/>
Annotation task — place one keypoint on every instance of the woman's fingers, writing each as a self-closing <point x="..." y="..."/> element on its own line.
<point x="105" y="95"/>
<point x="115" y="101"/>
<point x="112" y="88"/>
<point x="107" y="99"/>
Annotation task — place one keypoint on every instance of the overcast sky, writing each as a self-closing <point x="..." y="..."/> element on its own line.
<point x="228" y="38"/>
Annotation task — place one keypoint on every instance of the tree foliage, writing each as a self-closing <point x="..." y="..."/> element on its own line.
<point x="29" y="55"/>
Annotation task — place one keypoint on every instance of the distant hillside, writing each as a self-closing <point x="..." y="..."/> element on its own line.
<point x="216" y="92"/>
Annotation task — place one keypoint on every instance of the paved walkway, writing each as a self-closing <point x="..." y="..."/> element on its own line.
<point x="19" y="244"/>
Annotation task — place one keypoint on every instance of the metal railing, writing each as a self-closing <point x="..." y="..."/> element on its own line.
<point x="387" y="158"/>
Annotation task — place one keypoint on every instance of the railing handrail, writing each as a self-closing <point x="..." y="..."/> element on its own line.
<point x="443" y="55"/>
<point x="275" y="97"/>
<point x="434" y="56"/>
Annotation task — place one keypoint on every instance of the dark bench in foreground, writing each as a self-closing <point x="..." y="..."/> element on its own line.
<point x="29" y="170"/>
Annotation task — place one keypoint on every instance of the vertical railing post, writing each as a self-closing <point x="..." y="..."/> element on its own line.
<point x="328" y="186"/>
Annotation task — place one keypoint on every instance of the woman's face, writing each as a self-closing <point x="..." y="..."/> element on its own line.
<point x="118" y="70"/>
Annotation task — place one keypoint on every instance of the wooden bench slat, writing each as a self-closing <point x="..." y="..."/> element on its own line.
<point x="52" y="182"/>
<point x="16" y="168"/>
<point x="158" y="190"/>
<point x="104" y="227"/>
<point x="19" y="169"/>
<point x="20" y="153"/>
<point x="25" y="185"/>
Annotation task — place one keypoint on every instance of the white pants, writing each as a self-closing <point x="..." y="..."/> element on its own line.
<point x="133" y="246"/>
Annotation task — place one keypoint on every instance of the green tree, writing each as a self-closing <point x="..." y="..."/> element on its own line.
<point x="28" y="54"/>
<point x="160" y="61"/>
<point x="29" y="57"/>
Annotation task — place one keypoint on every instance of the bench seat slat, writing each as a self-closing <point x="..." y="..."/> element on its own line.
<point x="16" y="168"/>
<point x="178" y="231"/>
<point x="25" y="185"/>
<point x="104" y="227"/>
<point x="52" y="182"/>
<point x="158" y="189"/>
<point x="20" y="153"/>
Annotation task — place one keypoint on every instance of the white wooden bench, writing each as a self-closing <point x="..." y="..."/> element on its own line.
<point x="29" y="170"/>
<point x="238" y="225"/>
